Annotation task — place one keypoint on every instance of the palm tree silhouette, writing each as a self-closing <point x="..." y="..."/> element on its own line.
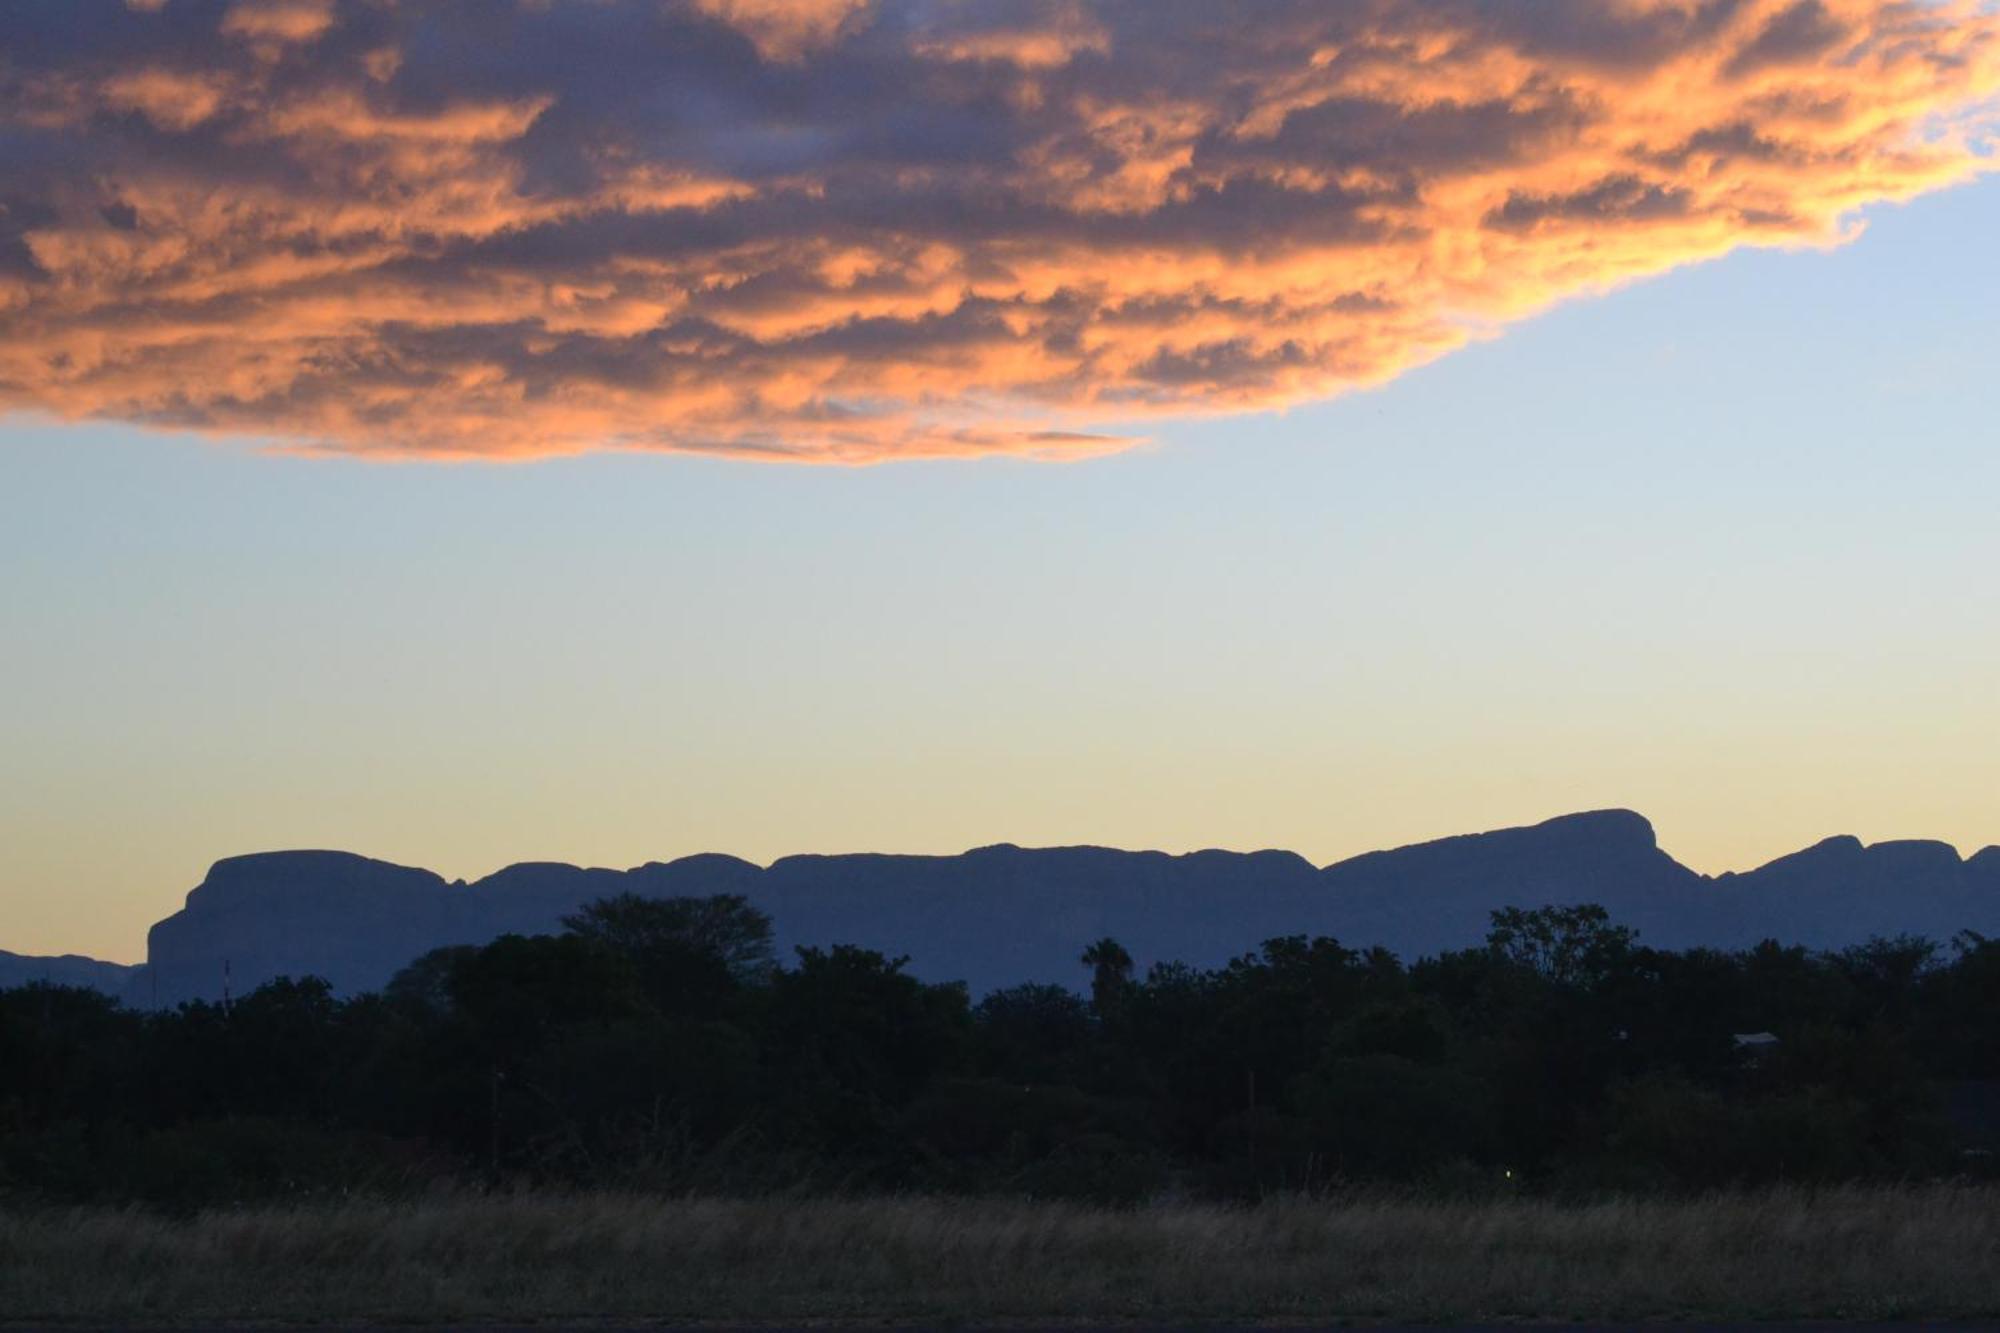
<point x="1110" y="973"/>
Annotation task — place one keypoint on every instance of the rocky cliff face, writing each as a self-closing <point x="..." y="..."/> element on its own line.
<point x="327" y="914"/>
<point x="1005" y="914"/>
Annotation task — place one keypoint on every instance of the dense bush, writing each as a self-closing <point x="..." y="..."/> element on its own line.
<point x="658" y="1045"/>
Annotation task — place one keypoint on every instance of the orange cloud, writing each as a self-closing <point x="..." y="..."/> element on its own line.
<point x="784" y="29"/>
<point x="852" y="230"/>
<point x="278" y="21"/>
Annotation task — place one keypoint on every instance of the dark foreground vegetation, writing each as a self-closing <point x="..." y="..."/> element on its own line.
<point x="1849" y="1252"/>
<point x="658" y="1047"/>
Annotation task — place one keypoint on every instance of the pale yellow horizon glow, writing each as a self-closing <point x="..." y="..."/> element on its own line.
<point x="1718" y="802"/>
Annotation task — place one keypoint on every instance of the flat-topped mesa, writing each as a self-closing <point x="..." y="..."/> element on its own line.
<point x="257" y="876"/>
<point x="1915" y="856"/>
<point x="297" y="913"/>
<point x="1002" y="914"/>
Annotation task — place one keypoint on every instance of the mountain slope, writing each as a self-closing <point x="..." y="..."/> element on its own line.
<point x="1000" y="915"/>
<point x="64" y="970"/>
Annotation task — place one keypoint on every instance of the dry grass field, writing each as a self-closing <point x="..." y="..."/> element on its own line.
<point x="1846" y="1253"/>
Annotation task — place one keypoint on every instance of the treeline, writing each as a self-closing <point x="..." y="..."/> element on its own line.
<point x="659" y="1045"/>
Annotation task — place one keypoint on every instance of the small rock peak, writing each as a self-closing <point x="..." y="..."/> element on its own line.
<point x="1915" y="854"/>
<point x="1844" y="847"/>
<point x="1985" y="861"/>
<point x="1263" y="857"/>
<point x="698" y="875"/>
<point x="1068" y="855"/>
<point x="701" y="861"/>
<point x="1593" y="833"/>
<point x="527" y="874"/>
<point x="534" y="868"/>
<point x="1609" y="826"/>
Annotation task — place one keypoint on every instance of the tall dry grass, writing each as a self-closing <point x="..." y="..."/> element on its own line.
<point x="1846" y="1253"/>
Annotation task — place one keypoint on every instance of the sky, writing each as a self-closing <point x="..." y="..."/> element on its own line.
<point x="1566" y="470"/>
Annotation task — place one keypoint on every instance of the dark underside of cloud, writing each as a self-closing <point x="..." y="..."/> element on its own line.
<point x="866" y="229"/>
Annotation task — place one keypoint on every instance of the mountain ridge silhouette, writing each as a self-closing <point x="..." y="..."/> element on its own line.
<point x="1004" y="914"/>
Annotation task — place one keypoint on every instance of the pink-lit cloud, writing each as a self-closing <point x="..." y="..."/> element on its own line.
<point x="863" y="229"/>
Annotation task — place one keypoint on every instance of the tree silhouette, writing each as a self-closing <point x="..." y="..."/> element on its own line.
<point x="1570" y="946"/>
<point x="725" y="926"/>
<point x="1110" y="974"/>
<point x="654" y="1047"/>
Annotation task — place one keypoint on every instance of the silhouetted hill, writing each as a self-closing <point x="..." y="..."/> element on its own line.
<point x="1000" y="915"/>
<point x="1434" y="895"/>
<point x="1838" y="890"/>
<point x="67" y="970"/>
